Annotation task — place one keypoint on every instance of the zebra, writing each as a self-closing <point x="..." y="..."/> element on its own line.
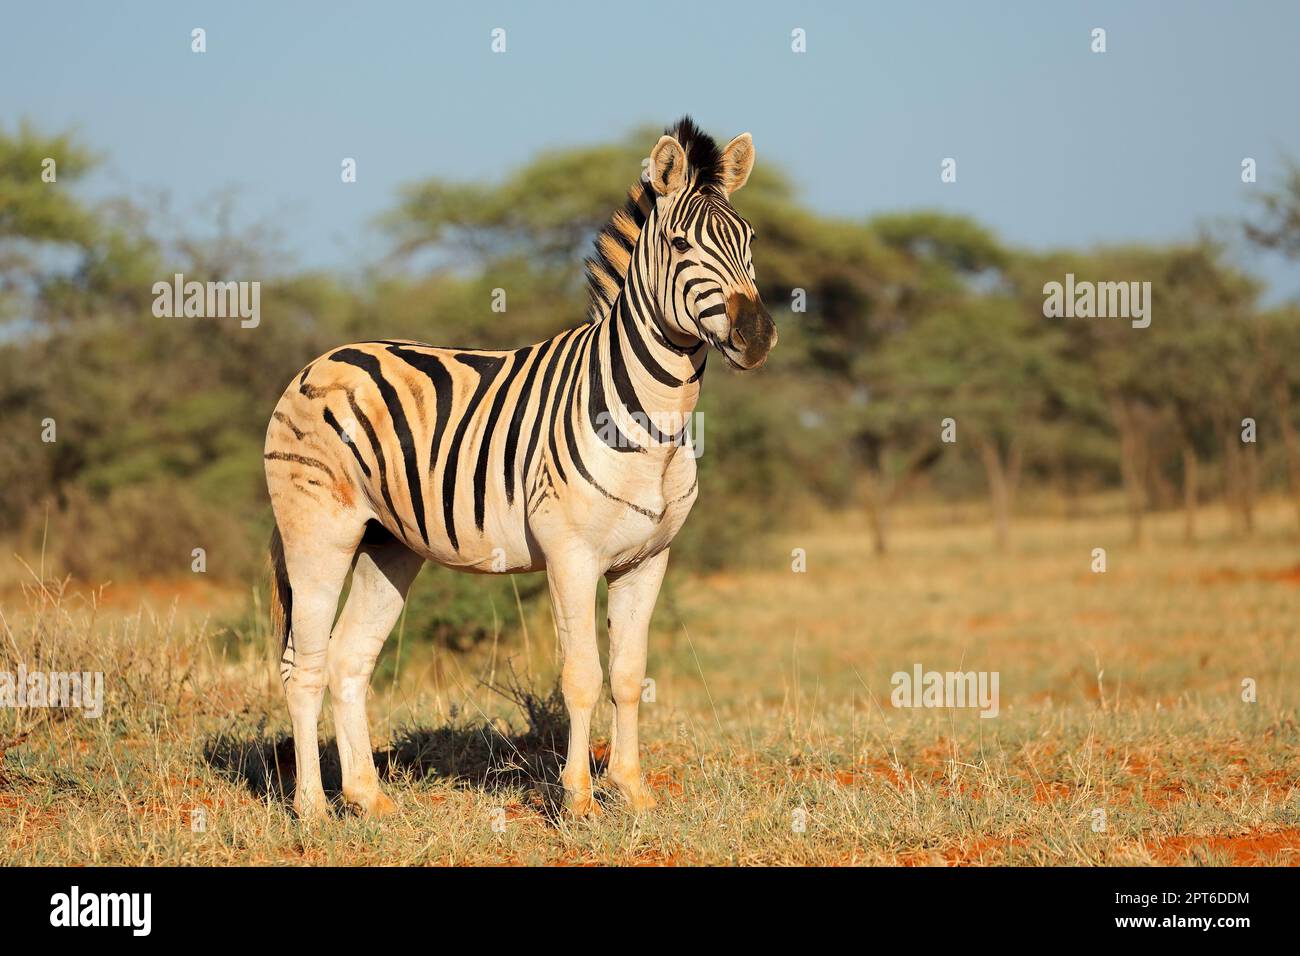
<point x="571" y="456"/>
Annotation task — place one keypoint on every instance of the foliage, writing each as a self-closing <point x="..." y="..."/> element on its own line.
<point x="888" y="326"/>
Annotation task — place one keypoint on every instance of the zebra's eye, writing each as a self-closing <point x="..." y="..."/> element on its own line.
<point x="681" y="245"/>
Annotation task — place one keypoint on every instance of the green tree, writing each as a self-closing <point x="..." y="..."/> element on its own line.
<point x="986" y="369"/>
<point x="1277" y="228"/>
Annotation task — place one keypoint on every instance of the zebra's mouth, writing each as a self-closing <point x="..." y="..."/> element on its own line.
<point x="728" y="353"/>
<point x="736" y="357"/>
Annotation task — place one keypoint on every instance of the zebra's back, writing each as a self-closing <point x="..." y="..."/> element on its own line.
<point x="462" y="453"/>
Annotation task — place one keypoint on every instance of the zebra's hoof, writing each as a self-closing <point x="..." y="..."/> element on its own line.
<point x="636" y="793"/>
<point x="584" y="805"/>
<point x="640" y="800"/>
<point x="309" y="809"/>
<point x="374" y="805"/>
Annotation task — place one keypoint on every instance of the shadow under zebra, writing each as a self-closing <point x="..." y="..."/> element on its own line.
<point x="478" y="754"/>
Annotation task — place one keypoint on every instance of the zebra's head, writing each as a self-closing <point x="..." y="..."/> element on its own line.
<point x="703" y="246"/>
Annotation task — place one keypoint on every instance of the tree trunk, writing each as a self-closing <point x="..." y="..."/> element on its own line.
<point x="1002" y="479"/>
<point x="883" y="491"/>
<point x="877" y="512"/>
<point x="1232" y="475"/>
<point x="1132" y="468"/>
<point x="1249" y="479"/>
<point x="1191" y="480"/>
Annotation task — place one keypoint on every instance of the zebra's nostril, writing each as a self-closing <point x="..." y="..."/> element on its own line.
<point x="740" y="336"/>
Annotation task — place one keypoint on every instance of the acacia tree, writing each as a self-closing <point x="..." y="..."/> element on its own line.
<point x="38" y="212"/>
<point x="850" y="294"/>
<point x="544" y="213"/>
<point x="40" y="220"/>
<point x="937" y="262"/>
<point x="1163" y="384"/>
<point x="1277" y="228"/>
<point x="1279" y="333"/>
<point x="984" y="369"/>
<point x="132" y="432"/>
<point x="1199" y="369"/>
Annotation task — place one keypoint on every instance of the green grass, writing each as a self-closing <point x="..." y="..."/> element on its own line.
<point x="772" y="739"/>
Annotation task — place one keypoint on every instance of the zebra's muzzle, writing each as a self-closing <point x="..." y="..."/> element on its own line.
<point x="753" y="333"/>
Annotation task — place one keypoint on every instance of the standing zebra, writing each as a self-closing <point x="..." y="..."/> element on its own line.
<point x="569" y="455"/>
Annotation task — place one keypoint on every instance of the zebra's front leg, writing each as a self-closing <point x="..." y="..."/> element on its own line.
<point x="572" y="584"/>
<point x="632" y="596"/>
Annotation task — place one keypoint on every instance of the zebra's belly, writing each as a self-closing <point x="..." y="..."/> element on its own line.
<point x="615" y="536"/>
<point x="503" y="547"/>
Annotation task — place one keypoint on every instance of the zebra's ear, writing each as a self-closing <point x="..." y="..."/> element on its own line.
<point x="737" y="162"/>
<point x="667" y="166"/>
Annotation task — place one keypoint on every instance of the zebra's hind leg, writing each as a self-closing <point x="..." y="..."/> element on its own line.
<point x="318" y="549"/>
<point x="383" y="572"/>
<point x="573" y="599"/>
<point x="632" y="596"/>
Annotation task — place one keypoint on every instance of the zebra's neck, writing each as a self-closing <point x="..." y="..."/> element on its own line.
<point x="664" y="374"/>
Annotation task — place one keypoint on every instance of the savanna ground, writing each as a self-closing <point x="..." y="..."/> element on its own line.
<point x="1120" y="692"/>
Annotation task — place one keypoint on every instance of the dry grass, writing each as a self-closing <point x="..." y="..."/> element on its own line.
<point x="1119" y="692"/>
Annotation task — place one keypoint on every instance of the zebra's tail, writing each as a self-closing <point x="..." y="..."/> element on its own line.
<point x="281" y="593"/>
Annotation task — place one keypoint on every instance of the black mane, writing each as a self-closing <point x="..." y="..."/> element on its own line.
<point x="607" y="267"/>
<point x="703" y="158"/>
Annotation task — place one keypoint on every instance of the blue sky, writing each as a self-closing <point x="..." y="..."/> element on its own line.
<point x="1056" y="145"/>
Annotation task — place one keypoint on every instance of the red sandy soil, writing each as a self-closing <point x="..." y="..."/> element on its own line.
<point x="1232" y="576"/>
<point x="1246" y="849"/>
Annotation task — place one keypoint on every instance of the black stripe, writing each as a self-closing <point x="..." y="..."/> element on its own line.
<point x="298" y="460"/>
<point x="699" y="374"/>
<point x="570" y="362"/>
<point x="571" y="410"/>
<point x="642" y="351"/>
<point x="627" y="393"/>
<point x="517" y="419"/>
<point x="285" y="420"/>
<point x="572" y="445"/>
<point x="480" y="471"/>
<point x="662" y="340"/>
<point x="598" y="407"/>
<point x="437" y="373"/>
<point x="333" y="423"/>
<point x="487" y="367"/>
<point x="371" y="366"/>
<point x="541" y="406"/>
<point x="378" y="450"/>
